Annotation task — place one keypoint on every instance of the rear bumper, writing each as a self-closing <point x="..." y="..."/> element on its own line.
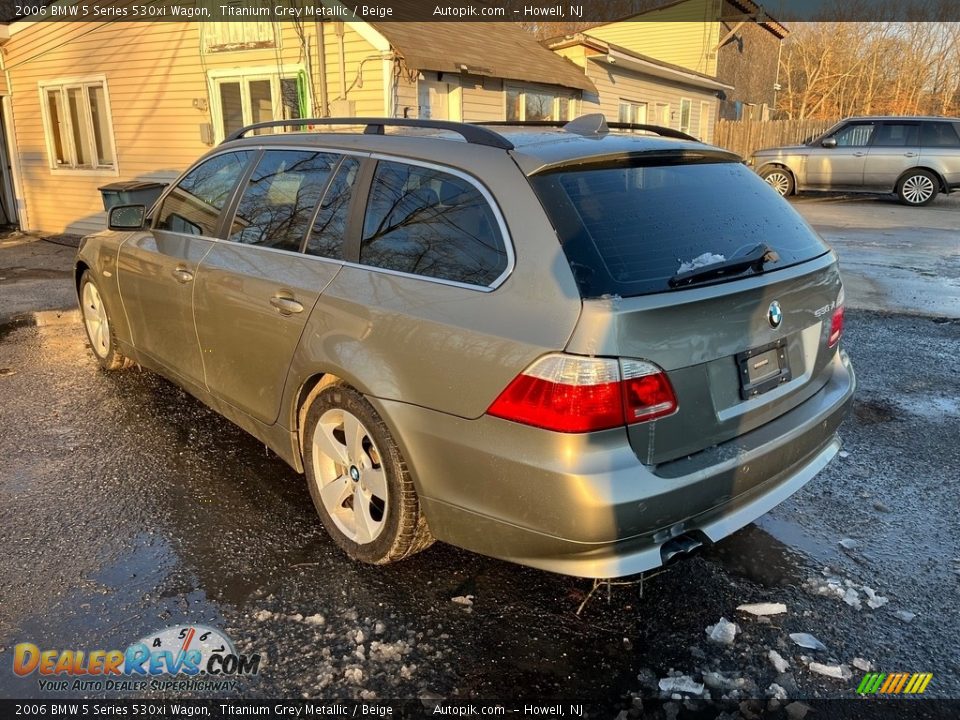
<point x="584" y="505"/>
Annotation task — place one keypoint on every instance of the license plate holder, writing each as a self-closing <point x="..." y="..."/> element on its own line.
<point x="763" y="368"/>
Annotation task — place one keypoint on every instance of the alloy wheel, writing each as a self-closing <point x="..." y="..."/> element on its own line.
<point x="917" y="189"/>
<point x="351" y="480"/>
<point x="95" y="318"/>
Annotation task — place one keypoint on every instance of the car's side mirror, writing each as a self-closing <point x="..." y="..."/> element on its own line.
<point x="829" y="143"/>
<point x="127" y="217"/>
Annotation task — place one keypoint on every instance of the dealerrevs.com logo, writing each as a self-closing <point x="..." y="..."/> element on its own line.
<point x="178" y="658"/>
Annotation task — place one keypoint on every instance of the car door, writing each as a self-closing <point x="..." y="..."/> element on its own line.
<point x="840" y="166"/>
<point x="256" y="288"/>
<point x="157" y="267"/>
<point x="895" y="148"/>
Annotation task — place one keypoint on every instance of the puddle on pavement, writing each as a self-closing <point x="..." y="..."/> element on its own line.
<point x="44" y="318"/>
<point x="16" y="274"/>
<point x="870" y="412"/>
<point x="772" y="552"/>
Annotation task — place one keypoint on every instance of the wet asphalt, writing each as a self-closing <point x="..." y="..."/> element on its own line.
<point x="127" y="506"/>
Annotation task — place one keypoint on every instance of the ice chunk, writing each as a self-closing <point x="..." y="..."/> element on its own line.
<point x="707" y="258"/>
<point x="317" y="619"/>
<point x="767" y="608"/>
<point x="852" y="598"/>
<point x="905" y="615"/>
<point x="262" y="615"/>
<point x="465" y="600"/>
<point x="723" y="632"/>
<point x="873" y="600"/>
<point x="797" y="710"/>
<point x="778" y="662"/>
<point x="806" y="640"/>
<point x="776" y="692"/>
<point x="848" y="543"/>
<point x="863" y="665"/>
<point x="835" y="671"/>
<point x="681" y="684"/>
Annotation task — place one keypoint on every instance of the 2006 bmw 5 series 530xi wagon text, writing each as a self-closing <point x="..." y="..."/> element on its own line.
<point x="581" y="350"/>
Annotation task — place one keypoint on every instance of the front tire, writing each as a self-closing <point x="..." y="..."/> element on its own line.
<point x="918" y="188"/>
<point x="780" y="179"/>
<point x="358" y="480"/>
<point x="96" y="321"/>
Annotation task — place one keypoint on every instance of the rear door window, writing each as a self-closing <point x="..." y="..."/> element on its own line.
<point x="897" y="135"/>
<point x="626" y="230"/>
<point x="427" y="222"/>
<point x="277" y="205"/>
<point x="193" y="207"/>
<point x="330" y="226"/>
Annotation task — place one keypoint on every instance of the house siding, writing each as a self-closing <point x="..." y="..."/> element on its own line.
<point x="615" y="84"/>
<point x="156" y="126"/>
<point x="684" y="34"/>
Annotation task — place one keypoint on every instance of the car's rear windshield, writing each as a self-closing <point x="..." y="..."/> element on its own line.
<point x="628" y="228"/>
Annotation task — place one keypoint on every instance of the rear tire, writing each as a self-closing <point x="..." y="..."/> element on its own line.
<point x="359" y="481"/>
<point x="918" y="188"/>
<point x="780" y="179"/>
<point x="96" y="321"/>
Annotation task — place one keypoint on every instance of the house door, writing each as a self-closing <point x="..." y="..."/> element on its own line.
<point x="8" y="205"/>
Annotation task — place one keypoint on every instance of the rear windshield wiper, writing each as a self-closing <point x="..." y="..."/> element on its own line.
<point x="753" y="260"/>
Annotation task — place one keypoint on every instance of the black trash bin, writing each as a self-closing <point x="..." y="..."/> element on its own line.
<point x="130" y="192"/>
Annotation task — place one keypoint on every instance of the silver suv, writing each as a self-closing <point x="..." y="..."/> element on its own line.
<point x="914" y="157"/>
<point x="583" y="351"/>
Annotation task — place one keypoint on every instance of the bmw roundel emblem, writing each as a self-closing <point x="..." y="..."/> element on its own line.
<point x="774" y="314"/>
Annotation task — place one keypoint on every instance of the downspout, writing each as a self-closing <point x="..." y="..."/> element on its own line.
<point x="338" y="29"/>
<point x="322" y="68"/>
<point x="16" y="178"/>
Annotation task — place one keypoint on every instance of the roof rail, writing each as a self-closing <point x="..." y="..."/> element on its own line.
<point x="593" y="124"/>
<point x="473" y="134"/>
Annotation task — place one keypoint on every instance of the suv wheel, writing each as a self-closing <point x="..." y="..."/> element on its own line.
<point x="358" y="480"/>
<point x="917" y="187"/>
<point x="96" y="321"/>
<point x="779" y="179"/>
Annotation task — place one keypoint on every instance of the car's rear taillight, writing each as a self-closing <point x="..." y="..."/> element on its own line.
<point x="836" y="322"/>
<point x="568" y="393"/>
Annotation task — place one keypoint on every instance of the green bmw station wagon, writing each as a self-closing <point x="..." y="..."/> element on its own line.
<point x="585" y="348"/>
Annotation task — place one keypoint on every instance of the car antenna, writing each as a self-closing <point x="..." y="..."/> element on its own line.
<point x="586" y="125"/>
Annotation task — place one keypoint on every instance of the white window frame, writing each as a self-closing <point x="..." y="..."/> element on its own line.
<point x="71" y="168"/>
<point x="680" y="127"/>
<point x="273" y="73"/>
<point x="554" y="111"/>
<point x="705" y="112"/>
<point x="634" y="105"/>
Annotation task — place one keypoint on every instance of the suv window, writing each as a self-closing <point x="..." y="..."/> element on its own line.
<point x="427" y="222"/>
<point x="626" y="230"/>
<point x="330" y="227"/>
<point x="278" y="202"/>
<point x="897" y="135"/>
<point x="939" y="134"/>
<point x="857" y="135"/>
<point x="193" y="206"/>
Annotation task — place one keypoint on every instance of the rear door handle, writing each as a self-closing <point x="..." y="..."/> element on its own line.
<point x="910" y="154"/>
<point x="859" y="154"/>
<point x="182" y="275"/>
<point x="286" y="305"/>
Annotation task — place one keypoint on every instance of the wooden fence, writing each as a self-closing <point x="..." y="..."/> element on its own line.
<point x="746" y="136"/>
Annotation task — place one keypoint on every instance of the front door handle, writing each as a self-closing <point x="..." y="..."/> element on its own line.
<point x="286" y="305"/>
<point x="182" y="275"/>
<point x="859" y="154"/>
<point x="910" y="154"/>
